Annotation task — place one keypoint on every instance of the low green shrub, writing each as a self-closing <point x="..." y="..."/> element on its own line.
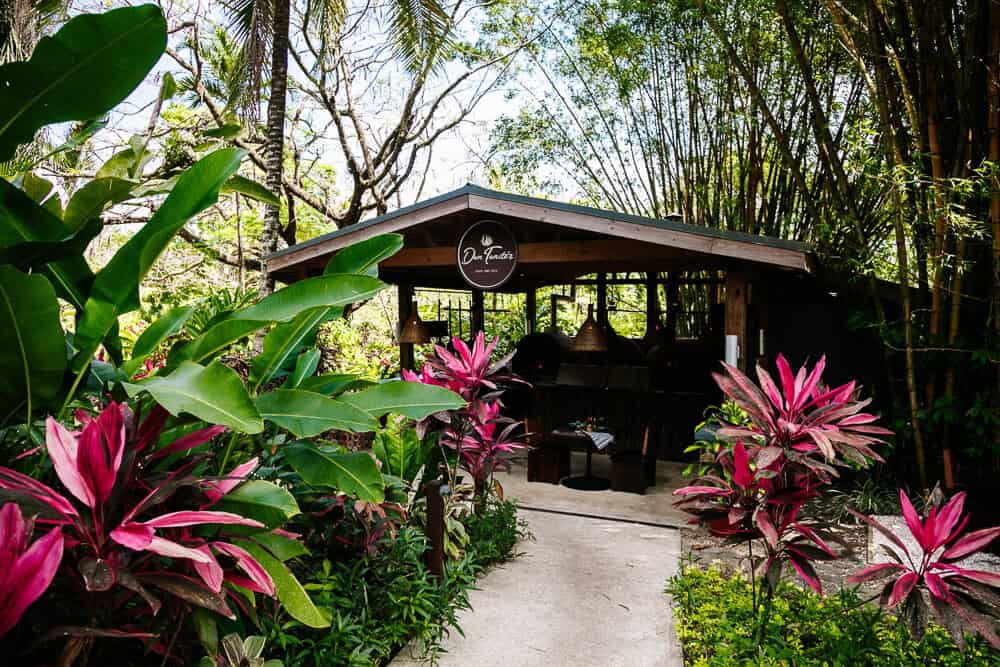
<point x="715" y="624"/>
<point x="380" y="602"/>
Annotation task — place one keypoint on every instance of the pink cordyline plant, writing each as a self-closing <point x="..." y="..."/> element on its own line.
<point x="478" y="433"/>
<point x="798" y="436"/>
<point x="961" y="599"/>
<point x="107" y="468"/>
<point x="25" y="571"/>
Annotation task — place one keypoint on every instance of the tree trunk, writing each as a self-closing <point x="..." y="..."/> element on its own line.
<point x="275" y="138"/>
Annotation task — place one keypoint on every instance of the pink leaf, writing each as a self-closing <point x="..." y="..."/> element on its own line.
<point x="29" y="577"/>
<point x="787" y="380"/>
<point x="210" y="571"/>
<point x="742" y="475"/>
<point x="983" y="577"/>
<point x="874" y="572"/>
<point x="766" y="526"/>
<point x="701" y="490"/>
<point x="190" y="441"/>
<point x="133" y="535"/>
<point x="947" y="519"/>
<point x="15" y="481"/>
<point x="937" y="586"/>
<point x="215" y="490"/>
<point x="170" y="549"/>
<point x="196" y="518"/>
<point x="913" y="520"/>
<point x="62" y="447"/>
<point x="904" y="585"/>
<point x="807" y="573"/>
<point x="971" y="543"/>
<point x="249" y="565"/>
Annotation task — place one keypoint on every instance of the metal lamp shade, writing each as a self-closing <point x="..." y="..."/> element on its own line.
<point x="591" y="337"/>
<point x="414" y="329"/>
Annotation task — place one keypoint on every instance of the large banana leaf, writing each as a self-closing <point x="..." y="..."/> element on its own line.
<point x="410" y="399"/>
<point x="307" y="414"/>
<point x="89" y="201"/>
<point x="354" y="473"/>
<point x="116" y="286"/>
<point x="305" y="366"/>
<point x="215" y="339"/>
<point x="213" y="393"/>
<point x="401" y="454"/>
<point x="333" y="384"/>
<point x="157" y="332"/>
<point x="91" y="64"/>
<point x="283" y="342"/>
<point x="290" y="593"/>
<point x="365" y="256"/>
<point x="32" y="347"/>
<point x="252" y="189"/>
<point x="264" y="501"/>
<point x="331" y="290"/>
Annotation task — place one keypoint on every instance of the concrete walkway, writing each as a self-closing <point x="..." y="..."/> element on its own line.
<point x="584" y="592"/>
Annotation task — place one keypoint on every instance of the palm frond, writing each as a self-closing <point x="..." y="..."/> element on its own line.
<point x="420" y="29"/>
<point x="251" y="22"/>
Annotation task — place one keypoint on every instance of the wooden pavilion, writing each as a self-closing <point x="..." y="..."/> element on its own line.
<point x="768" y="296"/>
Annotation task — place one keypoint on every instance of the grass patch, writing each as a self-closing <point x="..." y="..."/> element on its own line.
<point x="715" y="625"/>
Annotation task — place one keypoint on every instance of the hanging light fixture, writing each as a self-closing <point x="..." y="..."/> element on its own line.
<point x="414" y="329"/>
<point x="591" y="337"/>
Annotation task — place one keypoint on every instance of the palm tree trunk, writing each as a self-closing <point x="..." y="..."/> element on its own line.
<point x="275" y="137"/>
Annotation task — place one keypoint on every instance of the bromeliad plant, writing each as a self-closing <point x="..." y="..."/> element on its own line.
<point x="478" y="434"/>
<point x="796" y="438"/>
<point x="132" y="524"/>
<point x="962" y="600"/>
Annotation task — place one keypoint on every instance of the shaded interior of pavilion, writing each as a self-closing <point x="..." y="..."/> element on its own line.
<point x="686" y="296"/>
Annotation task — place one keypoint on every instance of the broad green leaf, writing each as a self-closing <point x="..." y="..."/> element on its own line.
<point x="168" y="88"/>
<point x="116" y="286"/>
<point x="215" y="339"/>
<point x="157" y="332"/>
<point x="213" y="393"/>
<point x="411" y="399"/>
<point x="36" y="254"/>
<point x="283" y="548"/>
<point x="32" y="347"/>
<point x="364" y="257"/>
<point x="261" y="500"/>
<point x="90" y="201"/>
<point x="36" y="187"/>
<point x="250" y="188"/>
<point x="332" y="290"/>
<point x="125" y="163"/>
<point x="91" y="64"/>
<point x="293" y="597"/>
<point x="305" y="366"/>
<point x="282" y="342"/>
<point x="227" y="131"/>
<point x="333" y="384"/>
<point x="401" y="454"/>
<point x="307" y="414"/>
<point x="354" y="473"/>
<point x="23" y="221"/>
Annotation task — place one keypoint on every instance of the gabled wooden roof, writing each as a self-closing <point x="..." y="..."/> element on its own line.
<point x="550" y="233"/>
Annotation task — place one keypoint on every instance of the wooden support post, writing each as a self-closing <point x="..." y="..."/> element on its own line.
<point x="652" y="304"/>
<point x="602" y="299"/>
<point x="405" y="307"/>
<point x="673" y="305"/>
<point x="478" y="313"/>
<point x="530" y="311"/>
<point x="736" y="315"/>
<point x="434" y="556"/>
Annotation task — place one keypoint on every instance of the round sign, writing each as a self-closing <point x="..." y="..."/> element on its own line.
<point x="487" y="255"/>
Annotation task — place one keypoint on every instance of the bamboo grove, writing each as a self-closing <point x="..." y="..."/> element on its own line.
<point x="868" y="128"/>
